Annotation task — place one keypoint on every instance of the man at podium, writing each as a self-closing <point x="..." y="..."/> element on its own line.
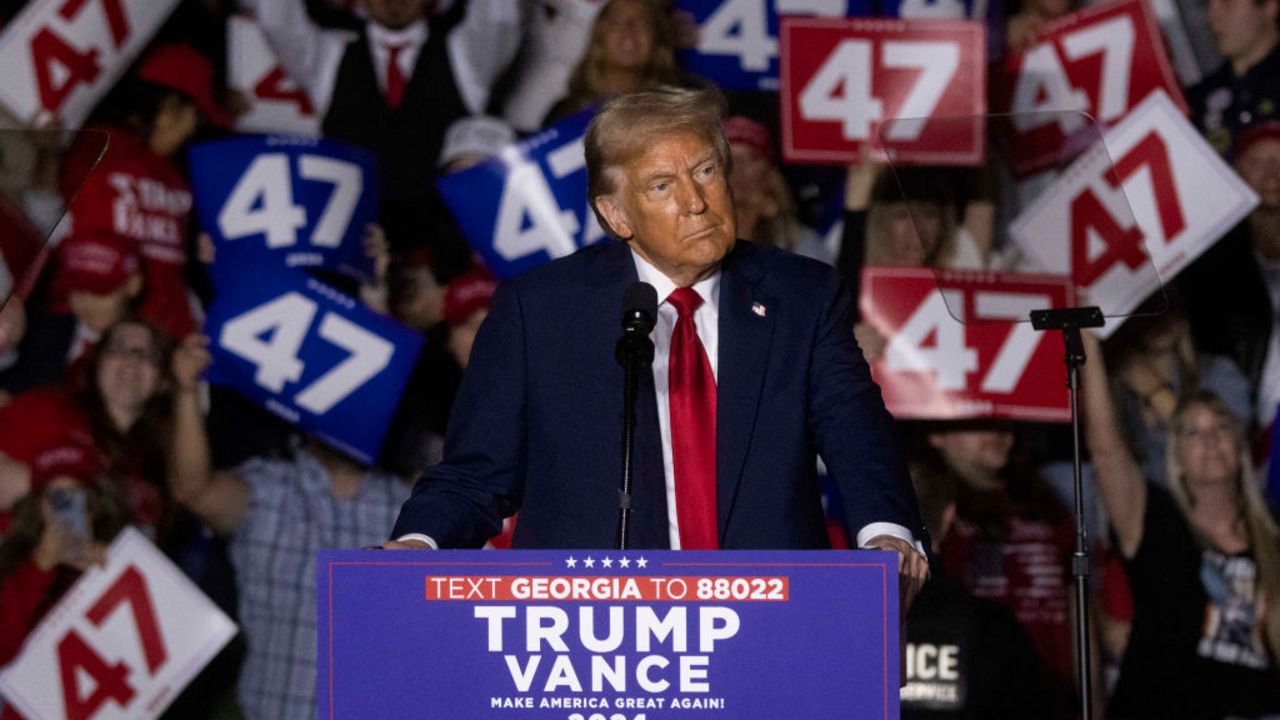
<point x="755" y="374"/>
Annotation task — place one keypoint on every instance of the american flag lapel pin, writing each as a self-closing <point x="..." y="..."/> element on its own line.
<point x="758" y="309"/>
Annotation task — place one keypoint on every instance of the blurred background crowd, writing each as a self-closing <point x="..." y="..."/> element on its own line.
<point x="101" y="358"/>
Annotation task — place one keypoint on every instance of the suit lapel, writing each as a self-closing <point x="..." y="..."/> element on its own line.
<point x="746" y="330"/>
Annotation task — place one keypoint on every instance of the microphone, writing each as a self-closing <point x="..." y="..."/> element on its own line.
<point x="639" y="314"/>
<point x="635" y="354"/>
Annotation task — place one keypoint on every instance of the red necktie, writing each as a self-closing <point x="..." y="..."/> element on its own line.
<point x="692" y="395"/>
<point x="395" y="78"/>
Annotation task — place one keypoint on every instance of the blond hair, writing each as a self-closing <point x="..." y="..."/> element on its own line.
<point x="629" y="124"/>
<point x="1263" y="536"/>
<point x="585" y="86"/>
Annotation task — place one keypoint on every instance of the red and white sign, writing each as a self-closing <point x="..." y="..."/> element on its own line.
<point x="61" y="56"/>
<point x="277" y="104"/>
<point x="1097" y="63"/>
<point x="122" y="643"/>
<point x="843" y="80"/>
<point x="961" y="345"/>
<point x="1120" y="230"/>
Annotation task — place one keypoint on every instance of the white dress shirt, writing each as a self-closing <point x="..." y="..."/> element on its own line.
<point x="706" y="320"/>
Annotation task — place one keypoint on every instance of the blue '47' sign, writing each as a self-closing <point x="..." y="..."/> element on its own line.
<point x="539" y="190"/>
<point x="738" y="39"/>
<point x="312" y="355"/>
<point x="287" y="201"/>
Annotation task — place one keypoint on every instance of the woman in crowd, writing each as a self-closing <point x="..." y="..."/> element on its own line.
<point x="910" y="220"/>
<point x="632" y="47"/>
<point x="61" y="527"/>
<point x="1154" y="364"/>
<point x="764" y="208"/>
<point x="1202" y="557"/>
<point x="121" y="404"/>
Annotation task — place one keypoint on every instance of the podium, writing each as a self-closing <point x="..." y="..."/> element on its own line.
<point x="607" y="635"/>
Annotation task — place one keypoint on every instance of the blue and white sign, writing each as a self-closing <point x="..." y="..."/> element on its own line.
<point x="607" y="635"/>
<point x="286" y="200"/>
<point x="528" y="204"/>
<point x="312" y="355"/>
<point x="737" y="43"/>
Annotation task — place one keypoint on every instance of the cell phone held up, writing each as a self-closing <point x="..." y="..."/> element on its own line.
<point x="70" y="509"/>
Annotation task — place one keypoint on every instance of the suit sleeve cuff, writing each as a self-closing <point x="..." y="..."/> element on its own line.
<point x="430" y="541"/>
<point x="893" y="529"/>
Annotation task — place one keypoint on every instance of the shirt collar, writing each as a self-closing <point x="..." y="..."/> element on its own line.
<point x="708" y="288"/>
<point x="412" y="36"/>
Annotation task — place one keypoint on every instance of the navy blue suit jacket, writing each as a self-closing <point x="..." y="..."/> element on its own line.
<point x="537" y="424"/>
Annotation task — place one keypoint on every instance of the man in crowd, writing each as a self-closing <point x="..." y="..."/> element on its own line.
<point x="1233" y="291"/>
<point x="755" y="368"/>
<point x="396" y="88"/>
<point x="1246" y="88"/>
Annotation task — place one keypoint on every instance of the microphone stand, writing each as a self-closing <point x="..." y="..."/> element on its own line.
<point x="634" y="353"/>
<point x="1070" y="321"/>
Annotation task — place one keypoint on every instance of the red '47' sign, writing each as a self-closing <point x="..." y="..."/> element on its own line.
<point x="843" y="79"/>
<point x="1100" y="62"/>
<point x="61" y="56"/>
<point x="276" y="103"/>
<point x="122" y="643"/>
<point x="1119" y="230"/>
<point x="994" y="364"/>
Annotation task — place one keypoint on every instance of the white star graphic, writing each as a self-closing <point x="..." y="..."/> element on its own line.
<point x="607" y="562"/>
<point x="641" y="562"/>
<point x="571" y="562"/>
<point x="589" y="562"/>
<point x="624" y="562"/>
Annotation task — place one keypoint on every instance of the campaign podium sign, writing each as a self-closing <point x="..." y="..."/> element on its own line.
<point x="577" y="634"/>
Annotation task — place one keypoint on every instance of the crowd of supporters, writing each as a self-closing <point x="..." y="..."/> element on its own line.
<point x="101" y="360"/>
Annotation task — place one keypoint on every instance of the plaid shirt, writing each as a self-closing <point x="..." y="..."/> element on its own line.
<point x="292" y="514"/>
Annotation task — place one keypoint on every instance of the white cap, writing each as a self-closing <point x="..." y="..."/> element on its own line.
<point x="480" y="135"/>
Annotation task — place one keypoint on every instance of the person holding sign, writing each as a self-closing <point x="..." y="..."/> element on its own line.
<point x="1202" y="558"/>
<point x="396" y="87"/>
<point x="59" y="529"/>
<point x="277" y="513"/>
<point x="755" y="370"/>
<point x="137" y="191"/>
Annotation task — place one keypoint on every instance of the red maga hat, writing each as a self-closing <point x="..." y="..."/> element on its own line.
<point x="183" y="68"/>
<point x="1269" y="130"/>
<point x="72" y="457"/>
<point x="745" y="131"/>
<point x="97" y="263"/>
<point x="468" y="294"/>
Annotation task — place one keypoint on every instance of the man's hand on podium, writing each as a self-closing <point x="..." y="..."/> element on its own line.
<point x="405" y="545"/>
<point x="913" y="568"/>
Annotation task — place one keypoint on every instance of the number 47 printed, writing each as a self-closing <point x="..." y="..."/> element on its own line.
<point x="843" y="81"/>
